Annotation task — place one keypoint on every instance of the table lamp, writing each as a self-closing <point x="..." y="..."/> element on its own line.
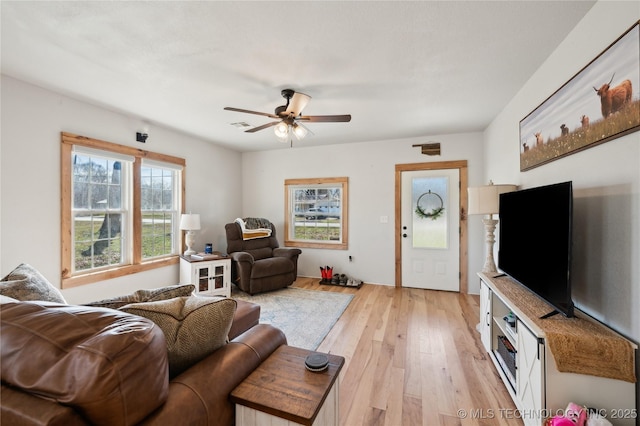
<point x="486" y="200"/>
<point x="190" y="223"/>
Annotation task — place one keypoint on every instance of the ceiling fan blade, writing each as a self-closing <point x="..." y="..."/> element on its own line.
<point x="264" y="126"/>
<point x="251" y="112"/>
<point x="297" y="103"/>
<point x="325" y="118"/>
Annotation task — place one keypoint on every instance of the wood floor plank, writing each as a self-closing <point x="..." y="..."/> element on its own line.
<point x="416" y="328"/>
<point x="430" y="406"/>
<point x="381" y="390"/>
<point x="401" y="328"/>
<point x="373" y="417"/>
<point x="394" y="407"/>
<point x="366" y="352"/>
<point x="413" y="357"/>
<point x="411" y="411"/>
<point x="360" y="406"/>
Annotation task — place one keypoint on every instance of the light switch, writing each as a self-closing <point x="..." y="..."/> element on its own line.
<point x="384" y="219"/>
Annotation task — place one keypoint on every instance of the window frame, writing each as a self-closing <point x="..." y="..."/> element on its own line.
<point x="91" y="210"/>
<point x="343" y="184"/>
<point x="175" y="211"/>
<point x="137" y="263"/>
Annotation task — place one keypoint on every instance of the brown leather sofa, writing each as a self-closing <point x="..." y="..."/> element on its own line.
<point x="260" y="264"/>
<point x="79" y="365"/>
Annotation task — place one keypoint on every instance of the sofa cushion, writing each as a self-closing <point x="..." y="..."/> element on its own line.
<point x="247" y="316"/>
<point x="145" y="295"/>
<point x="109" y="366"/>
<point x="194" y="327"/>
<point x="26" y="283"/>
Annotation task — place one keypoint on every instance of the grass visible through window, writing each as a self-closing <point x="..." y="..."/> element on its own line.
<point x="318" y="229"/>
<point x="156" y="241"/>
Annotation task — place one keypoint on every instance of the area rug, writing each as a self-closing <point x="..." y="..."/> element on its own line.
<point x="305" y="316"/>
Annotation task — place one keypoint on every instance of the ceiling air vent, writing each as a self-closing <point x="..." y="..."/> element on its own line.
<point x="241" y="125"/>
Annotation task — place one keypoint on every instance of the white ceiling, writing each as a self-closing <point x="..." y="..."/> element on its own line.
<point x="400" y="68"/>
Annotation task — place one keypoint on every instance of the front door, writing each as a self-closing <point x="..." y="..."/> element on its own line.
<point x="430" y="229"/>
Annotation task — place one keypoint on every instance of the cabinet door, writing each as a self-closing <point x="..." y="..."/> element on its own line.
<point x="212" y="277"/>
<point x="485" y="316"/>
<point x="203" y="275"/>
<point x="529" y="380"/>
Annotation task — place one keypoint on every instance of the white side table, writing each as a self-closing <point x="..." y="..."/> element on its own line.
<point x="211" y="277"/>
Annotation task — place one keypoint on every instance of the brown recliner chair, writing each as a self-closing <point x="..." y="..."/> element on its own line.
<point x="260" y="264"/>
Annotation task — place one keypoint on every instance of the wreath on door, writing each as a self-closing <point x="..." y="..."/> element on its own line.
<point x="432" y="207"/>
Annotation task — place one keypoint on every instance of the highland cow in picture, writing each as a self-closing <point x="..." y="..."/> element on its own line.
<point x="584" y="122"/>
<point x="613" y="99"/>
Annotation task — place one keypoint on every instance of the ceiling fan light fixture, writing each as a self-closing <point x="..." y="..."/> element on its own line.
<point x="281" y="130"/>
<point x="299" y="131"/>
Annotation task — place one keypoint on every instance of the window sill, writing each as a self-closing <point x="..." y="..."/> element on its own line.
<point x="93" y="277"/>
<point x="309" y="244"/>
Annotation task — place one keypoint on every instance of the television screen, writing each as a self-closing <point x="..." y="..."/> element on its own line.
<point x="535" y="241"/>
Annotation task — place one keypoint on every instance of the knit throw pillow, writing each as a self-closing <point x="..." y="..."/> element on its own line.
<point x="194" y="327"/>
<point x="145" y="295"/>
<point x="26" y="283"/>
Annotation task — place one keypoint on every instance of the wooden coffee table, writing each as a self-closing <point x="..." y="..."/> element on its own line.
<point x="281" y="389"/>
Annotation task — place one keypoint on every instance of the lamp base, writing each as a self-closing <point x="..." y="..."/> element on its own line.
<point x="189" y="240"/>
<point x="490" y="263"/>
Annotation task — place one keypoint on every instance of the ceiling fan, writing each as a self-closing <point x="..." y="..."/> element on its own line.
<point x="290" y="116"/>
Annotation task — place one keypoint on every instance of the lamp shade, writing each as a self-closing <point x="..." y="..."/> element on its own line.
<point x="190" y="222"/>
<point x="486" y="199"/>
<point x="300" y="131"/>
<point x="281" y="131"/>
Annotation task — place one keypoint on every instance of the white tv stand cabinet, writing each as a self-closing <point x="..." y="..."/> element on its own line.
<point x="536" y="386"/>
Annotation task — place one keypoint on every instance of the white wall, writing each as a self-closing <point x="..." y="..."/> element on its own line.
<point x="32" y="119"/>
<point x="606" y="178"/>
<point x="370" y="168"/>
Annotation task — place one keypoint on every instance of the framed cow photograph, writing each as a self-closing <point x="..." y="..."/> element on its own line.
<point x="598" y="104"/>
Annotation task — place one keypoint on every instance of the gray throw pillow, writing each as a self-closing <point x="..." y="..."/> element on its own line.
<point x="26" y="283"/>
<point x="145" y="295"/>
<point x="194" y="327"/>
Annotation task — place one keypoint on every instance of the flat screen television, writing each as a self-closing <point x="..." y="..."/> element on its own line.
<point x="535" y="242"/>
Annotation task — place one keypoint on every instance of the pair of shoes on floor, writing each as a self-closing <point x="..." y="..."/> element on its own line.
<point x="352" y="282"/>
<point x="339" y="279"/>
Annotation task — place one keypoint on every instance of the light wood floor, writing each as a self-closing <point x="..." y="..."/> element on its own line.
<point x="414" y="357"/>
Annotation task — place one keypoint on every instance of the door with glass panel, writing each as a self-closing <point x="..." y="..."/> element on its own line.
<point x="430" y="229"/>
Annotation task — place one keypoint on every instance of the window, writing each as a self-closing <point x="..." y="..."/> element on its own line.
<point x="316" y="213"/>
<point x="159" y="205"/>
<point x="120" y="208"/>
<point x="99" y="209"/>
